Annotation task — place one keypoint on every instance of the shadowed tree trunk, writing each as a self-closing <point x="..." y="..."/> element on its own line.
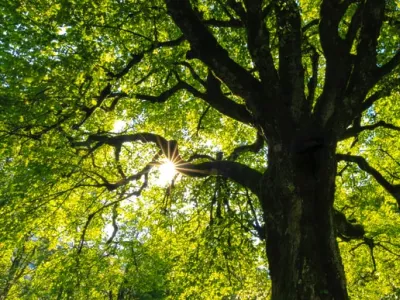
<point x="297" y="197"/>
<point x="301" y="130"/>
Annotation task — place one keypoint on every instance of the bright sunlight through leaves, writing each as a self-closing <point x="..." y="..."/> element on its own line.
<point x="167" y="172"/>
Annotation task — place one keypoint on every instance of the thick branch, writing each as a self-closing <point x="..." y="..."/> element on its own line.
<point x="238" y="8"/>
<point x="258" y="41"/>
<point x="232" y="23"/>
<point x="255" y="147"/>
<point x="388" y="67"/>
<point x="372" y="17"/>
<point x="354" y="131"/>
<point x="373" y="98"/>
<point x="134" y="61"/>
<point x="291" y="71"/>
<point x="237" y="172"/>
<point x="393" y="189"/>
<point x="345" y="229"/>
<point x="310" y="25"/>
<point x="338" y="64"/>
<point x="205" y="47"/>
<point x="313" y="81"/>
<point x="354" y="26"/>
<point x="213" y="97"/>
<point x="365" y="62"/>
<point x="331" y="13"/>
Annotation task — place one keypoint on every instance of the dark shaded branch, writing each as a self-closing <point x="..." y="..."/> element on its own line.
<point x="114" y="224"/>
<point x="117" y="97"/>
<point x="200" y="156"/>
<point x="201" y="118"/>
<point x="372" y="18"/>
<point x="339" y="64"/>
<point x="114" y="204"/>
<point x="372" y="13"/>
<point x="388" y="67"/>
<point x="171" y="43"/>
<point x="220" y="102"/>
<point x="134" y="61"/>
<point x="193" y="72"/>
<point x="354" y="26"/>
<point x="258" y="43"/>
<point x="312" y="83"/>
<point x="393" y="189"/>
<point x="213" y="97"/>
<point x="347" y="230"/>
<point x="104" y="93"/>
<point x="256" y="225"/>
<point x="291" y="71"/>
<point x="309" y="25"/>
<point x="255" y="147"/>
<point x="124" y="30"/>
<point x="332" y="12"/>
<point x="238" y="9"/>
<point x="232" y="23"/>
<point x="354" y="131"/>
<point x="205" y="47"/>
<point x="237" y="172"/>
<point x="373" y="98"/>
<point x="164" y="96"/>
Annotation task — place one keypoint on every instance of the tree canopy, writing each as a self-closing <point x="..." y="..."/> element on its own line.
<point x="96" y="97"/>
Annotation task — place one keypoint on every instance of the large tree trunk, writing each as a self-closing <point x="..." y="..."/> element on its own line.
<point x="297" y="200"/>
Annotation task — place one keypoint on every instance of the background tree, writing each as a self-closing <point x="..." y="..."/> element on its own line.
<point x="281" y="118"/>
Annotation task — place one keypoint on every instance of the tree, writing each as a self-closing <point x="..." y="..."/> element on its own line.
<point x="279" y="116"/>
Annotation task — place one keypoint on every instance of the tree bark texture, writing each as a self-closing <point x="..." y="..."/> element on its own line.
<point x="300" y="127"/>
<point x="297" y="200"/>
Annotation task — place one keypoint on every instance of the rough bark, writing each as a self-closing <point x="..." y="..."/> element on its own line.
<point x="297" y="200"/>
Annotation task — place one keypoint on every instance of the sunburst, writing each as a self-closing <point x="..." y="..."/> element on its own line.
<point x="167" y="171"/>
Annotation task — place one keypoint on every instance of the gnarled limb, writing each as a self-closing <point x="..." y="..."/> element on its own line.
<point x="258" y="41"/>
<point x="355" y="131"/>
<point x="393" y="63"/>
<point x="291" y="71"/>
<point x="213" y="97"/>
<point x="255" y="147"/>
<point x="373" y="98"/>
<point x="205" y="47"/>
<point x="237" y="172"/>
<point x="393" y="189"/>
<point x="347" y="230"/>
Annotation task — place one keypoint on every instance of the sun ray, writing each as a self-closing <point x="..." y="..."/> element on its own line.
<point x="167" y="172"/>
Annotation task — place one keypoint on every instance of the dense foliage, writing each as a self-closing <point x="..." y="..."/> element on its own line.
<point x="95" y="96"/>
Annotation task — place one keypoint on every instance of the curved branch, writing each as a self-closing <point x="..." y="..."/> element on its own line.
<point x="291" y="71"/>
<point x="258" y="40"/>
<point x="309" y="25"/>
<point x="346" y="229"/>
<point x="370" y="26"/>
<point x="393" y="189"/>
<point x="255" y="147"/>
<point x="354" y="131"/>
<point x="331" y="13"/>
<point x="374" y="97"/>
<point x="205" y="47"/>
<point x="388" y="67"/>
<point x="214" y="98"/>
<point x="237" y="172"/>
